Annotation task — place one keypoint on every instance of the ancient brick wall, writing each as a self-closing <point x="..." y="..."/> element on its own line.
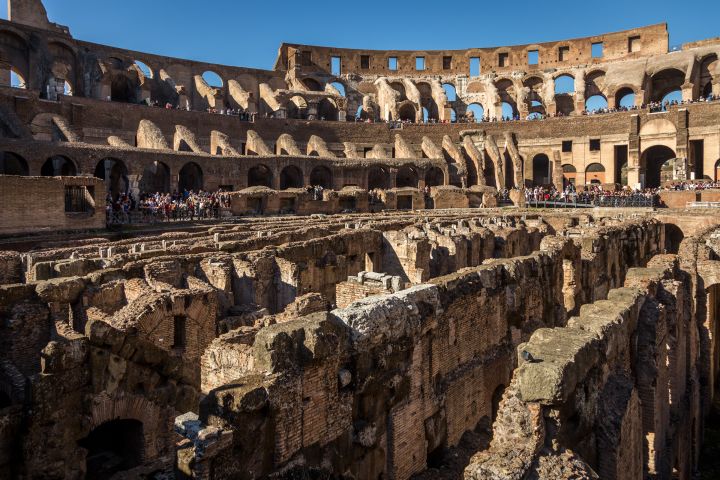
<point x="30" y="205"/>
<point x="453" y="348"/>
<point x="603" y="391"/>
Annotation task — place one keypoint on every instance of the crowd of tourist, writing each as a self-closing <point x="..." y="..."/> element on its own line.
<point x="185" y="205"/>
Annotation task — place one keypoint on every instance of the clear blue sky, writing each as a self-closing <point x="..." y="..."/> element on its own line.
<point x="249" y="32"/>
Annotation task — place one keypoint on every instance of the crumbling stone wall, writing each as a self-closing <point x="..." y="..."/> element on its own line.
<point x="376" y="388"/>
<point x="612" y="394"/>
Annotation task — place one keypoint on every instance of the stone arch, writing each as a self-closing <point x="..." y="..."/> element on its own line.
<point x="400" y="88"/>
<point x="477" y="110"/>
<point x="213" y="79"/>
<point x="542" y="170"/>
<point x="431" y="110"/>
<point x="407" y="112"/>
<point x="62" y="77"/>
<point x="450" y="91"/>
<point x="321" y="176"/>
<point x="13" y="164"/>
<point x="569" y="174"/>
<point x="406" y="177"/>
<point x="625" y="97"/>
<point x="114" y="446"/>
<point x="595" y="83"/>
<point x="665" y="82"/>
<point x="327" y="109"/>
<point x="505" y="89"/>
<point x="14" y="57"/>
<point x="58" y="166"/>
<point x="190" y="177"/>
<point x="564" y="94"/>
<point x="340" y="87"/>
<point x="378" y="177"/>
<point x="595" y="173"/>
<point x="656" y="162"/>
<point x="155" y="178"/>
<point x="291" y="177"/>
<point x="708" y="66"/>
<point x="297" y="107"/>
<point x="144" y="69"/>
<point x="115" y="174"/>
<point x="312" y="85"/>
<point x="434" y="177"/>
<point x="260" y="176"/>
<point x="673" y="238"/>
<point x="124" y="87"/>
<point x="564" y="84"/>
<point x="596" y="102"/>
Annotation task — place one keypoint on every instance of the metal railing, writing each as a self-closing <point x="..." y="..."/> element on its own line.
<point x="146" y="216"/>
<point x="609" y="201"/>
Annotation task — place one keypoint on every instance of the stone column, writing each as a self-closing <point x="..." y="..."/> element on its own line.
<point x="557" y="172"/>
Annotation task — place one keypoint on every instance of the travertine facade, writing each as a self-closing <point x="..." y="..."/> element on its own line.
<point x="372" y="328"/>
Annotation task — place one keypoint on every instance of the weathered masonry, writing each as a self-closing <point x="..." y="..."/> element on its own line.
<point x="389" y="323"/>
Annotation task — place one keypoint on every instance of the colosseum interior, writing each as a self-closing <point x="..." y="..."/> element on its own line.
<point x="377" y="297"/>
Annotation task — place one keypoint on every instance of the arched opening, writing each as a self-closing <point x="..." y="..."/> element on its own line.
<point x="407" y="113"/>
<point x="321" y="176"/>
<point x="378" y="178"/>
<point x="430" y="110"/>
<point x="312" y="85"/>
<point x="542" y="174"/>
<point x="17" y="80"/>
<point x="453" y="115"/>
<point x="291" y="177"/>
<point x="190" y="178"/>
<point x="155" y="178"/>
<point x="400" y="88"/>
<point x="666" y="82"/>
<point x="327" y="110"/>
<point x="595" y="173"/>
<point x="296" y="107"/>
<point x="564" y="85"/>
<point x="114" y="446"/>
<point x="260" y="176"/>
<point x="123" y="89"/>
<point x="708" y="66"/>
<point x="509" y="112"/>
<point x="658" y="164"/>
<point x="146" y="71"/>
<point x="717" y="170"/>
<point x="58" y="166"/>
<point x="625" y="98"/>
<point x="450" y="91"/>
<point x="434" y="177"/>
<point x="14" y="67"/>
<point x="596" y="103"/>
<point x="213" y="79"/>
<point x="506" y="90"/>
<point x="672" y="98"/>
<point x="339" y="87"/>
<point x="673" y="238"/>
<point x="114" y="173"/>
<point x="475" y="112"/>
<point x="569" y="174"/>
<point x="565" y="94"/>
<point x="13" y="164"/>
<point x="406" y="177"/>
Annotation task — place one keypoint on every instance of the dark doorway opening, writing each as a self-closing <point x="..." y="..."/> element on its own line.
<point x="114" y="446"/>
